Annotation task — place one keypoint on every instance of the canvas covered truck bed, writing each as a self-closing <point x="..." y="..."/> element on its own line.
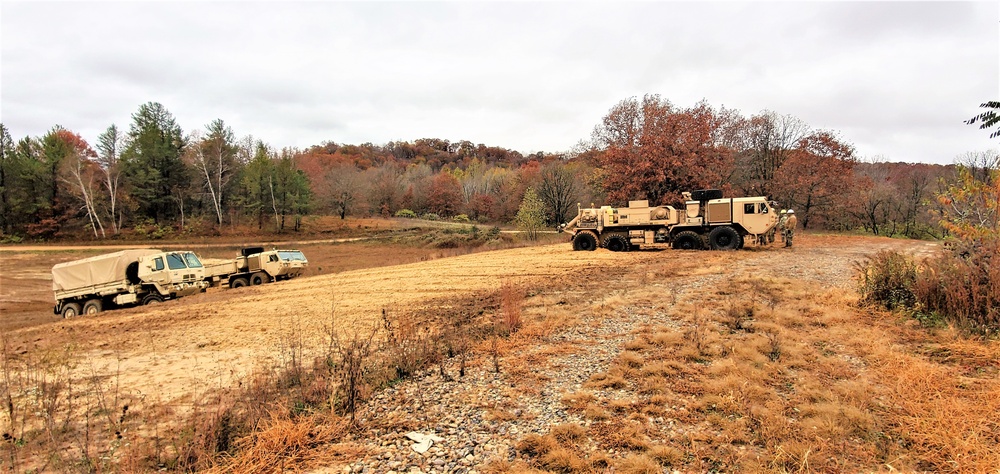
<point x="95" y="271"/>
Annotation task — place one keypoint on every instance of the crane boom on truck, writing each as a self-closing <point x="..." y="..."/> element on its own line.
<point x="125" y="278"/>
<point x="707" y="221"/>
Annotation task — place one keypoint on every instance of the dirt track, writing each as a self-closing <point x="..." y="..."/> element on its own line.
<point x="184" y="347"/>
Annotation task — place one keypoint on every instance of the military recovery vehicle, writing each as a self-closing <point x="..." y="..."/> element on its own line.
<point x="125" y="278"/>
<point x="707" y="221"/>
<point x="255" y="266"/>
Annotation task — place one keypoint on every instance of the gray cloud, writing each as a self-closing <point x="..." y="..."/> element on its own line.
<point x="894" y="78"/>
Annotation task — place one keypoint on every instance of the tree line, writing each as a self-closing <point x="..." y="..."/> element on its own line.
<point x="155" y="179"/>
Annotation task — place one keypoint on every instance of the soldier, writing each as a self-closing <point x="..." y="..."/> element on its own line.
<point x="790" y="222"/>
<point x="781" y="223"/>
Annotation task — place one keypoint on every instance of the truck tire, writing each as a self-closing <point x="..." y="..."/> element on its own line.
<point x="70" y="310"/>
<point x="93" y="307"/>
<point x="238" y="282"/>
<point x="152" y="299"/>
<point x="585" y="241"/>
<point x="259" y="278"/>
<point x="725" y="238"/>
<point x="687" y="240"/>
<point x="616" y="242"/>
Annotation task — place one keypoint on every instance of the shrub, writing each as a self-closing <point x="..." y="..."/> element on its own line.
<point x="887" y="279"/>
<point x="406" y="213"/>
<point x="461" y="218"/>
<point x="963" y="286"/>
<point x="430" y="216"/>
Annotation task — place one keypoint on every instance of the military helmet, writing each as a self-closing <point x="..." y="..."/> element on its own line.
<point x="784" y="211"/>
<point x="791" y="211"/>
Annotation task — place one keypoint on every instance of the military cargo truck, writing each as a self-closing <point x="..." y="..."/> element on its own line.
<point x="707" y="221"/>
<point x="125" y="278"/>
<point x="256" y="266"/>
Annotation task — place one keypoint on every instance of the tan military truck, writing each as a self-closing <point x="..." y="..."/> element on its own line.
<point x="707" y="221"/>
<point x="125" y="278"/>
<point x="255" y="266"/>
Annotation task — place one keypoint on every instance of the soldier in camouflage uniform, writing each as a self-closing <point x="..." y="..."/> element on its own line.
<point x="783" y="216"/>
<point x="790" y="222"/>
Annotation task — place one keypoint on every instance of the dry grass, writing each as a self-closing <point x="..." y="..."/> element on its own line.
<point x="772" y="375"/>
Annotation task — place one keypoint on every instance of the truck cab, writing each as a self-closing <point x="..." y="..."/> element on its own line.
<point x="170" y="267"/>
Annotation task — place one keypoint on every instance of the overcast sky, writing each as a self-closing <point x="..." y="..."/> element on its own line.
<point x="895" y="79"/>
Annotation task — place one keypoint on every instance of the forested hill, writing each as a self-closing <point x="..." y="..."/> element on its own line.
<point x="154" y="178"/>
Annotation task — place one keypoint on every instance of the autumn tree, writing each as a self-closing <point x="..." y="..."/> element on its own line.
<point x="385" y="193"/>
<point x="876" y="196"/>
<point x="816" y="177"/>
<point x="83" y="176"/>
<point x="444" y="197"/>
<point x="654" y="150"/>
<point x="765" y="141"/>
<point x="343" y="186"/>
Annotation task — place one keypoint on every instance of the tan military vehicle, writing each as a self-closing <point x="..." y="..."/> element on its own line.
<point x="256" y="266"/>
<point x="125" y="278"/>
<point x="707" y="221"/>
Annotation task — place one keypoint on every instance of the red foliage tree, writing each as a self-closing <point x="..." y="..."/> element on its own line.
<point x="817" y="178"/>
<point x="444" y="197"/>
<point x="653" y="150"/>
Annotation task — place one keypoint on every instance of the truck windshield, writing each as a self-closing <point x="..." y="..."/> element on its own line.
<point x="192" y="260"/>
<point x="175" y="261"/>
<point x="291" y="255"/>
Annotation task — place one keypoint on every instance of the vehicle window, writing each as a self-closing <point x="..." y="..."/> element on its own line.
<point x="272" y="258"/>
<point x="158" y="264"/>
<point x="763" y="208"/>
<point x="291" y="255"/>
<point x="192" y="260"/>
<point x="749" y="208"/>
<point x="175" y="261"/>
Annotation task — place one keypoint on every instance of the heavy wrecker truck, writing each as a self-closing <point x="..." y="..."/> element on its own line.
<point x="707" y="221"/>
<point x="255" y="266"/>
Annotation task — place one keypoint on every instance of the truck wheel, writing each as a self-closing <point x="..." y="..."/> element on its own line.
<point x="725" y="238"/>
<point x="585" y="241"/>
<point x="93" y="307"/>
<point x="259" y="278"/>
<point x="687" y="240"/>
<point x="152" y="299"/>
<point x="238" y="282"/>
<point x="71" y="310"/>
<point x="617" y="243"/>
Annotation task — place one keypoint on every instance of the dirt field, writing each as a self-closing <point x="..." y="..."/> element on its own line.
<point x="210" y="340"/>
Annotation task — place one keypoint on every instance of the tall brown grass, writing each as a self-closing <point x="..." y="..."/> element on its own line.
<point x="960" y="287"/>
